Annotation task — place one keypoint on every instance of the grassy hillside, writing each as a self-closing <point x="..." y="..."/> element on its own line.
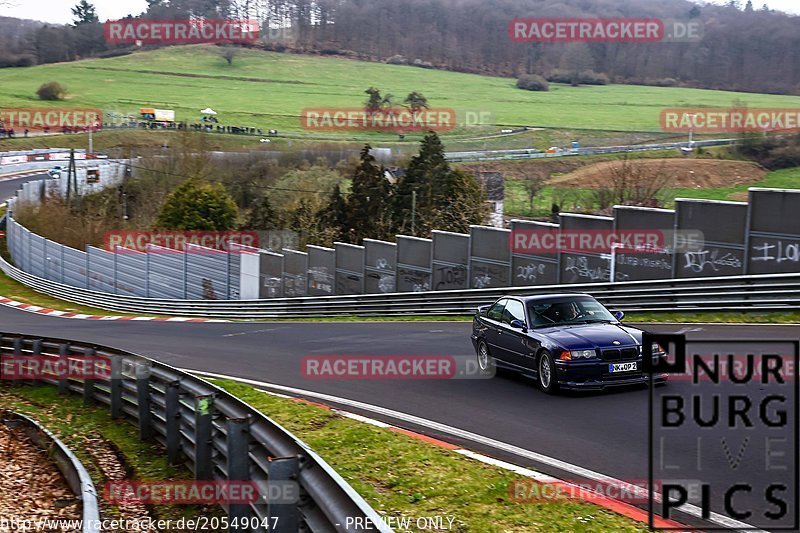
<point x="268" y="90"/>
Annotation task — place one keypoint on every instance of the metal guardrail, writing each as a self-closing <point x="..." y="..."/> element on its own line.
<point x="769" y="292"/>
<point x="216" y="435"/>
<point x="495" y="155"/>
<point x="70" y="466"/>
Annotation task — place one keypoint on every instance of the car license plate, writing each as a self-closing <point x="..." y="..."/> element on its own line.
<point x="622" y="367"/>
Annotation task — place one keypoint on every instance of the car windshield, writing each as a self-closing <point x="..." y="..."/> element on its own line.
<point x="568" y="310"/>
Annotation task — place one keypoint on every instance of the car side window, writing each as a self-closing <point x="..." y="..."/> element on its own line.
<point x="496" y="311"/>
<point x="514" y="311"/>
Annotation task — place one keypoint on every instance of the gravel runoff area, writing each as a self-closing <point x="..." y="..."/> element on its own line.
<point x="31" y="487"/>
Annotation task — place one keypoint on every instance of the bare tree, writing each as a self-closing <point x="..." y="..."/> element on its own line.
<point x="634" y="182"/>
<point x="228" y="53"/>
<point x="534" y="183"/>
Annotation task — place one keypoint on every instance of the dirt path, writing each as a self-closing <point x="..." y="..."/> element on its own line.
<point x="687" y="173"/>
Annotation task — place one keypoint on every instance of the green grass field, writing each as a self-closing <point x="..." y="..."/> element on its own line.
<point x="268" y="90"/>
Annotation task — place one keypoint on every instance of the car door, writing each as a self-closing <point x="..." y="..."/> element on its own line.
<point x="493" y="321"/>
<point x="514" y="343"/>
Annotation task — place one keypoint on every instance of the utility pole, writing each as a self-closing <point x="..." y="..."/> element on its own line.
<point x="70" y="171"/>
<point x="413" y="210"/>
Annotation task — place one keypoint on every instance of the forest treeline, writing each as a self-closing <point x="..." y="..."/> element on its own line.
<point x="744" y="47"/>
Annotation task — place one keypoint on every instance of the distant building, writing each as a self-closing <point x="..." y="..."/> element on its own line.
<point x="494" y="185"/>
<point x="393" y="174"/>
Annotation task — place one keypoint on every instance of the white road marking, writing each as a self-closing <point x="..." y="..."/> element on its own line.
<point x="692" y="510"/>
<point x="249" y="332"/>
<point x="688" y="330"/>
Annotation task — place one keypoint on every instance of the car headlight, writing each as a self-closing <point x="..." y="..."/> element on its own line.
<point x="582" y="354"/>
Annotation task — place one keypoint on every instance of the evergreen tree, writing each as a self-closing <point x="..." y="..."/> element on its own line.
<point x="425" y="171"/>
<point x="369" y="206"/>
<point x="85" y="13"/>
<point x="334" y="215"/>
<point x="458" y="202"/>
<point x="263" y="216"/>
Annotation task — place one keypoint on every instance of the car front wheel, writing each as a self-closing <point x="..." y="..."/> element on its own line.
<point x="485" y="359"/>
<point x="547" y="373"/>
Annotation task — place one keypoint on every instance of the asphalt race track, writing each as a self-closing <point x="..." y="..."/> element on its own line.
<point x="9" y="186"/>
<point x="603" y="432"/>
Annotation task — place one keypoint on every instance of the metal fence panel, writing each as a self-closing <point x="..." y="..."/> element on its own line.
<point x="722" y="250"/>
<point x="579" y="266"/>
<point x="74" y="267"/>
<point x="131" y="272"/>
<point x="54" y="262"/>
<point x="234" y="267"/>
<point x="24" y="248"/>
<point x="773" y="238"/>
<point x="235" y="251"/>
<point x="349" y="268"/>
<point x="206" y="273"/>
<point x="490" y="257"/>
<point x="295" y="272"/>
<point x="532" y="266"/>
<point x="450" y="262"/>
<point x="271" y="275"/>
<point x="165" y="272"/>
<point x="413" y="264"/>
<point x="321" y="271"/>
<point x="101" y="270"/>
<point x="380" y="267"/>
<point x="36" y="255"/>
<point x="641" y="265"/>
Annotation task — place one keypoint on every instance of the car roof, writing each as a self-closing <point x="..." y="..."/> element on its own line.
<point x="539" y="297"/>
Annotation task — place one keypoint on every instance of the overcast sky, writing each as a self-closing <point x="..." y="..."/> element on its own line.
<point x="59" y="11"/>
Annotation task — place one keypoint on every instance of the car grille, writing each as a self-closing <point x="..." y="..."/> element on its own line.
<point x="619" y="354"/>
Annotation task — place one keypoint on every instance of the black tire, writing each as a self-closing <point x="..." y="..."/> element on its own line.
<point x="546" y="371"/>
<point x="485" y="360"/>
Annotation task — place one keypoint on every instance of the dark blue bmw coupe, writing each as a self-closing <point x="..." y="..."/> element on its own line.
<point x="565" y="341"/>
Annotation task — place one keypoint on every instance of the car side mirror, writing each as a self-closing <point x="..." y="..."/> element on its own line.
<point x="519" y="324"/>
<point x="619" y="315"/>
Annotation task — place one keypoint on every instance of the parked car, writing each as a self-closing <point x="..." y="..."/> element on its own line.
<point x="564" y="341"/>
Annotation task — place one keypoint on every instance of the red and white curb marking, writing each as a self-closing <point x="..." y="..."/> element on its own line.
<point x="8" y="302"/>
<point x="617" y="506"/>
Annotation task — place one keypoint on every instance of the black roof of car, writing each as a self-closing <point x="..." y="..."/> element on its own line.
<point x="536" y="297"/>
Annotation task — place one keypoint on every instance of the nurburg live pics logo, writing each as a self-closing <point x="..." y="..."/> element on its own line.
<point x="728" y="439"/>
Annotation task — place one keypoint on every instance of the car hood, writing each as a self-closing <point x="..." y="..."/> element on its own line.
<point x="588" y="336"/>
